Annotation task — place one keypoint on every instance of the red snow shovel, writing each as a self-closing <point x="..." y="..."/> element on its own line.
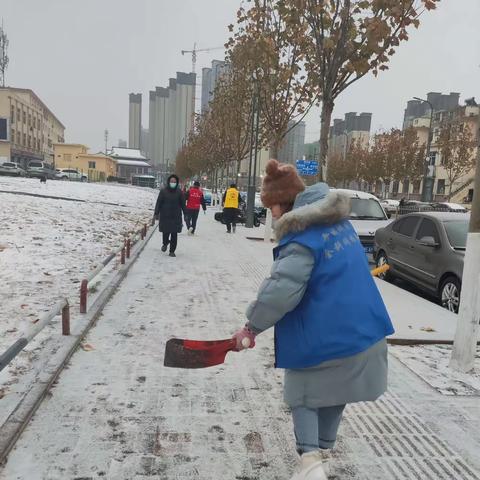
<point x="180" y="353"/>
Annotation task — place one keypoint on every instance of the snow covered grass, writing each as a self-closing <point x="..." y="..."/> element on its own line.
<point x="430" y="362"/>
<point x="48" y="245"/>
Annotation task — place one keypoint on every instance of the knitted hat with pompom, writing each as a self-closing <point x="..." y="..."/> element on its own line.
<point x="281" y="184"/>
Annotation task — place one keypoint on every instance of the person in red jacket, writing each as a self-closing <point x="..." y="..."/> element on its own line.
<point x="195" y="199"/>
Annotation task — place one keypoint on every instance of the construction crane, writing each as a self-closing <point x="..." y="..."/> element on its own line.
<point x="195" y="51"/>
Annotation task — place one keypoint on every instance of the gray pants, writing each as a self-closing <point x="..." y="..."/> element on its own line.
<point x="316" y="427"/>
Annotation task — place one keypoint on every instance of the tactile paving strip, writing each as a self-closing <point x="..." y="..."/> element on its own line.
<point x="405" y="446"/>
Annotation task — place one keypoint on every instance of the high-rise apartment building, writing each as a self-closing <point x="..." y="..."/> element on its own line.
<point x="171" y="115"/>
<point x="418" y="109"/>
<point x="293" y="147"/>
<point x="353" y="128"/>
<point x="210" y="78"/>
<point x="135" y="120"/>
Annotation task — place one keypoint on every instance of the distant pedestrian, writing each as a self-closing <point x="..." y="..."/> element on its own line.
<point x="168" y="209"/>
<point x="231" y="201"/>
<point x="195" y="200"/>
<point x="330" y="320"/>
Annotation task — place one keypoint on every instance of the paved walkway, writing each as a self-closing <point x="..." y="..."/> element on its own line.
<point x="117" y="413"/>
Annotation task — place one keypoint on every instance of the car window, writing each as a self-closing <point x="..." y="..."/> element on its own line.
<point x="35" y="164"/>
<point x="366" y="209"/>
<point x="457" y="231"/>
<point x="428" y="229"/>
<point x="406" y="226"/>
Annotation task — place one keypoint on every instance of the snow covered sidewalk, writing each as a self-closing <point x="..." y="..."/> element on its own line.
<point x="117" y="413"/>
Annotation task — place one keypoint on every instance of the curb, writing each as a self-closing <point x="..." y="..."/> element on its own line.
<point x="16" y="422"/>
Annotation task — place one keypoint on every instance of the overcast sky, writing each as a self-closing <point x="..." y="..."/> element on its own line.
<point x="83" y="57"/>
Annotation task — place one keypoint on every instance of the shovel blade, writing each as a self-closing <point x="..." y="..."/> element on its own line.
<point x="181" y="353"/>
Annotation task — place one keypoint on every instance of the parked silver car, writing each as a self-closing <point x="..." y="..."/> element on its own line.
<point x="71" y="174"/>
<point x="39" y="169"/>
<point x="426" y="249"/>
<point x="12" y="169"/>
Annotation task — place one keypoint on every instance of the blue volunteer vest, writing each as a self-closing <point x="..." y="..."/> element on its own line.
<point x="341" y="313"/>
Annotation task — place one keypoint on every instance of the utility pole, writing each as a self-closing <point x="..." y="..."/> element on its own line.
<point x="429" y="170"/>
<point x="468" y="326"/>
<point x="3" y="55"/>
<point x="106" y="141"/>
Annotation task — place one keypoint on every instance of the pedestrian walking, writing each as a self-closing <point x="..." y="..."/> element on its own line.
<point x="195" y="200"/>
<point x="168" y="209"/>
<point x="231" y="201"/>
<point x="329" y="318"/>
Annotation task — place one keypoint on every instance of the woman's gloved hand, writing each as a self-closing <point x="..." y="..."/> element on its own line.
<point x="245" y="338"/>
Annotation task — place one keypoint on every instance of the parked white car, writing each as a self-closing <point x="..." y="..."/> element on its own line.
<point x="12" y="169"/>
<point x="390" y="206"/>
<point x="71" y="174"/>
<point x="367" y="216"/>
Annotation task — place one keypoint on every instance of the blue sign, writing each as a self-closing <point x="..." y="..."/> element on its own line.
<point x="307" y="167"/>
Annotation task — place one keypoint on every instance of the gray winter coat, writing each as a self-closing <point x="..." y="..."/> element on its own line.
<point x="361" y="377"/>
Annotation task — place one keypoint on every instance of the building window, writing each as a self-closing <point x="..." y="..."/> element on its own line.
<point x="433" y="158"/>
<point x="38" y="145"/>
<point x="18" y="138"/>
<point x="24" y="140"/>
<point x="12" y="114"/>
<point x="92" y="165"/>
<point x="24" y="116"/>
<point x="441" y="187"/>
<point x="416" y="186"/>
<point x="19" y="115"/>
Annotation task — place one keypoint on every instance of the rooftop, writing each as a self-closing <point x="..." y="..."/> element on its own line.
<point x="129" y="153"/>
<point x="134" y="163"/>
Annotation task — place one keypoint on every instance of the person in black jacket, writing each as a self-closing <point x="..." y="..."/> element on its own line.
<point x="169" y="208"/>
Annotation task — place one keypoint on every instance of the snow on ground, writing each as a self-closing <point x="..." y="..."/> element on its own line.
<point x="48" y="245"/>
<point x="430" y="362"/>
<point x="117" y="413"/>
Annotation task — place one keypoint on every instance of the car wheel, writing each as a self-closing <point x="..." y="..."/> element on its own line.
<point x="450" y="294"/>
<point x="382" y="260"/>
<point x="64" y="178"/>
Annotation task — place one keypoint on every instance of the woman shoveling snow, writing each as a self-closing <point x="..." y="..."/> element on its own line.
<point x="329" y="318"/>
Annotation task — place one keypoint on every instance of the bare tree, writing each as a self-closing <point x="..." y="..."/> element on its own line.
<point x="456" y="144"/>
<point x="348" y="39"/>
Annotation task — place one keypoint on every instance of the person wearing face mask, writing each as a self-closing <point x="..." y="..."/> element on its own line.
<point x="168" y="209"/>
<point x="330" y="321"/>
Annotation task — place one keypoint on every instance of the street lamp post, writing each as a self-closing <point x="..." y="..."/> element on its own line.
<point x="252" y="169"/>
<point x="428" y="173"/>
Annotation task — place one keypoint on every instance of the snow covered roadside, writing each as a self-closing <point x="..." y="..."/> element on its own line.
<point x="431" y="363"/>
<point x="47" y="246"/>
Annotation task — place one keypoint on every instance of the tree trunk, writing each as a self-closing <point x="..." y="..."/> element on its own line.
<point x="274" y="149"/>
<point x="327" y="109"/>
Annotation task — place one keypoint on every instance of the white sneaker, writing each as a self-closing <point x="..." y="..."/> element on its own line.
<point x="190" y="231"/>
<point x="311" y="467"/>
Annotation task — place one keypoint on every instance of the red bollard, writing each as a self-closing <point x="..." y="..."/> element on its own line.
<point x="66" y="320"/>
<point x="122" y="257"/>
<point x="83" y="296"/>
<point x="129" y="245"/>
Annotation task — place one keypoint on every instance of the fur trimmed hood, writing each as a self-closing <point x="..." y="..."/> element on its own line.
<point x="317" y="205"/>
